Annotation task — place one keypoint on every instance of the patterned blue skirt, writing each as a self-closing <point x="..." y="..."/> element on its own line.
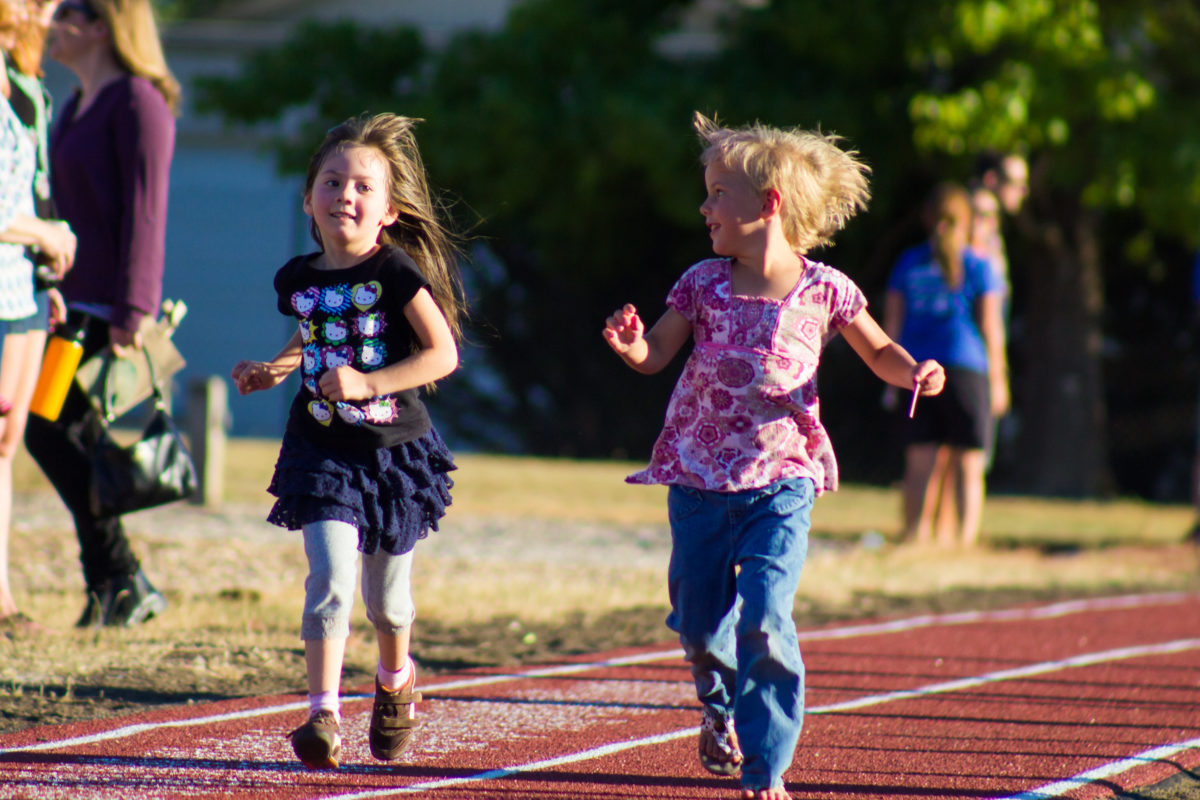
<point x="394" y="496"/>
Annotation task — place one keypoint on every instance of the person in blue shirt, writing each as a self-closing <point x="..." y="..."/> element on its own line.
<point x="945" y="302"/>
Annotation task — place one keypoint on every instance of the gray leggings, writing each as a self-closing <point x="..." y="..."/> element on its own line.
<point x="332" y="550"/>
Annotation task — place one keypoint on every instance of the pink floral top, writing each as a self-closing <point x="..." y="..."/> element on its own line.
<point x="745" y="412"/>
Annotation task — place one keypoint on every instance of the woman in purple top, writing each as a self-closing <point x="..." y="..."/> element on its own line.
<point x="110" y="154"/>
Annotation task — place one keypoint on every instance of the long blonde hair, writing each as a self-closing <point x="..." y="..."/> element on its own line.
<point x="417" y="229"/>
<point x="822" y="186"/>
<point x="948" y="219"/>
<point x="137" y="46"/>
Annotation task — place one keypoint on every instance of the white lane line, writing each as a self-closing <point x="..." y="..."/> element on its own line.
<point x="1008" y="615"/>
<point x="867" y="629"/>
<point x="1085" y="660"/>
<point x="1088" y="659"/>
<point x="1059" y="788"/>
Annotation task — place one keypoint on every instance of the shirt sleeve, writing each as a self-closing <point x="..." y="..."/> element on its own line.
<point x="982" y="276"/>
<point x="406" y="278"/>
<point x="683" y="295"/>
<point x="846" y="302"/>
<point x="283" y="288"/>
<point x="145" y="141"/>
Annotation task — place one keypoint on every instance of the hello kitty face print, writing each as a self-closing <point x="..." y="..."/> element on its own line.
<point x="369" y="325"/>
<point x="335" y="299"/>
<point x="336" y="331"/>
<point x="334" y="357"/>
<point x="305" y="302"/>
<point x="364" y="296"/>
<point x="374" y="353"/>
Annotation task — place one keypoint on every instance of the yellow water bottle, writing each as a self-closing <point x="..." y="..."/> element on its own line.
<point x="63" y="353"/>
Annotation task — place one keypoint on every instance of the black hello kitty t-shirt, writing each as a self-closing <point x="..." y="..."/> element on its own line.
<point x="353" y="317"/>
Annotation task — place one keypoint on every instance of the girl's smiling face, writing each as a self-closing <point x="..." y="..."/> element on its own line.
<point x="732" y="209"/>
<point x="349" y="200"/>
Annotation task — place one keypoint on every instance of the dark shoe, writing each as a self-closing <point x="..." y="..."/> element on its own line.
<point x="393" y="719"/>
<point x="318" y="742"/>
<point x="132" y="601"/>
<point x="93" y="612"/>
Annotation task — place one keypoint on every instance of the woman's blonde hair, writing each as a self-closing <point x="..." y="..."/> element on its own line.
<point x="26" y="52"/>
<point x="417" y="229"/>
<point x="948" y="219"/>
<point x="822" y="186"/>
<point x="136" y="44"/>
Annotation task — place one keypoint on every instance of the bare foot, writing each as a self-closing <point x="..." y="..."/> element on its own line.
<point x="778" y="793"/>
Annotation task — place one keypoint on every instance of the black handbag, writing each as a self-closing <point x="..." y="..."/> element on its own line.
<point x="154" y="470"/>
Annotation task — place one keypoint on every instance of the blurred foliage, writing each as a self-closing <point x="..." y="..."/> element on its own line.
<point x="176" y="10"/>
<point x="563" y="141"/>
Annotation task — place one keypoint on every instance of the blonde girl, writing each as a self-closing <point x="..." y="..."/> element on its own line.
<point x="743" y="449"/>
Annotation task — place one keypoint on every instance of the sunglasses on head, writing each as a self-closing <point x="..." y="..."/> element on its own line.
<point x="81" y="6"/>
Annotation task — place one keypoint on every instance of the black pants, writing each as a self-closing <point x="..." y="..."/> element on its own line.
<point x="59" y="449"/>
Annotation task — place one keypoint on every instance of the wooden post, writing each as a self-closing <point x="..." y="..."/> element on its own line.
<point x="208" y="409"/>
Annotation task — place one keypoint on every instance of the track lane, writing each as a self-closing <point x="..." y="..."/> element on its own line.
<point x="916" y="708"/>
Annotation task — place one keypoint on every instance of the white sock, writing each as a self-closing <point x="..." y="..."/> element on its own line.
<point x="393" y="681"/>
<point x="325" y="701"/>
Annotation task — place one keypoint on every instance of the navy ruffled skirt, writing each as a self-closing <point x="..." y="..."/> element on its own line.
<point x="394" y="496"/>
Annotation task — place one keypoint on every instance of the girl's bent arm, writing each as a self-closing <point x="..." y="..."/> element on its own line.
<point x="888" y="360"/>
<point x="436" y="358"/>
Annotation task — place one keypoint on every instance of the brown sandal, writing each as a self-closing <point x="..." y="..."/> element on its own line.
<point x="393" y="718"/>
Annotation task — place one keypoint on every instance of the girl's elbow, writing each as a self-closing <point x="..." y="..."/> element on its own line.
<point x="447" y="361"/>
<point x="451" y="362"/>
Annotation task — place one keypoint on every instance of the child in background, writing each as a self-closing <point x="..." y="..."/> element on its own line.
<point x="743" y="448"/>
<point x="361" y="468"/>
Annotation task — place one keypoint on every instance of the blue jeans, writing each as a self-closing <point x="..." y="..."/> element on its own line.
<point x="735" y="565"/>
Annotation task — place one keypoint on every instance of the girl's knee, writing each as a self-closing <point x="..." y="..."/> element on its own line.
<point x="391" y="615"/>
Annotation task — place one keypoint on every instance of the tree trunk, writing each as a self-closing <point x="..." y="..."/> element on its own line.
<point x="1063" y="449"/>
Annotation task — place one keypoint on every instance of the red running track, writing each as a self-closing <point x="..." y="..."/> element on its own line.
<point x="1071" y="700"/>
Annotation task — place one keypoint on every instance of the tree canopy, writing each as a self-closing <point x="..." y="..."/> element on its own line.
<point x="564" y="144"/>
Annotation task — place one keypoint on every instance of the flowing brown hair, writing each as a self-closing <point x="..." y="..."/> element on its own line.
<point x="418" y="229"/>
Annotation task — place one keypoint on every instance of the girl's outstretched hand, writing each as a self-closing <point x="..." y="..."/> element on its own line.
<point x="624" y="329"/>
<point x="254" y="376"/>
<point x="929" y="377"/>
